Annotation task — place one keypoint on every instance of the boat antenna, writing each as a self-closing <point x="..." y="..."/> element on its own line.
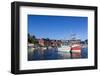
<point x="73" y="36"/>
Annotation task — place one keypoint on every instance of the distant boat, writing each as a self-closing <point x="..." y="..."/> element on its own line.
<point x="31" y="48"/>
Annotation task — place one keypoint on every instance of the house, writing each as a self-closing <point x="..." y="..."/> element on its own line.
<point x="41" y="42"/>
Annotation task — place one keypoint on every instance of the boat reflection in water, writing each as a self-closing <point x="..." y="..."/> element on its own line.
<point x="53" y="53"/>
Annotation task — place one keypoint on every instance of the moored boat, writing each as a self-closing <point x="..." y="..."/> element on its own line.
<point x="64" y="48"/>
<point x="76" y="51"/>
<point x="76" y="48"/>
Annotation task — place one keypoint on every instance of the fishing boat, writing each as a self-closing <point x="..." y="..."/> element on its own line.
<point x="64" y="49"/>
<point x="64" y="52"/>
<point x="76" y="48"/>
<point x="76" y="51"/>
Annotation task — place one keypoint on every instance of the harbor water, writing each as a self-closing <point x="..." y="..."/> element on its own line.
<point x="54" y="53"/>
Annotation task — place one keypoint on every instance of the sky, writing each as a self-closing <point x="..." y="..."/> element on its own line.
<point x="58" y="27"/>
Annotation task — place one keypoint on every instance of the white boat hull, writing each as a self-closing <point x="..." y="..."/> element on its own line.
<point x="64" y="49"/>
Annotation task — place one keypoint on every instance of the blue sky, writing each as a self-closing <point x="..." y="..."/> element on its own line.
<point x="57" y="27"/>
